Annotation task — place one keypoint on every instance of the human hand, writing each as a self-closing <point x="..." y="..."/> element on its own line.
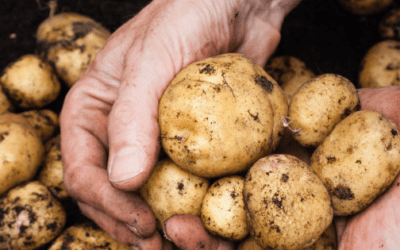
<point x="109" y="130"/>
<point x="378" y="226"/>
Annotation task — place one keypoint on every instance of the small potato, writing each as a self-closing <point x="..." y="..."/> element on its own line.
<point x="365" y="7"/>
<point x="287" y="204"/>
<point x="51" y="173"/>
<point x="327" y="241"/>
<point x="380" y="66"/>
<point x="30" y="82"/>
<point x="170" y="190"/>
<point x="86" y="236"/>
<point x="30" y="217"/>
<point x="319" y="105"/>
<point x="389" y="26"/>
<point x="21" y="151"/>
<point x="222" y="209"/>
<point x="70" y="42"/>
<point x="221" y="114"/>
<point x="249" y="244"/>
<point x="290" y="73"/>
<point x="358" y="161"/>
<point x="44" y="121"/>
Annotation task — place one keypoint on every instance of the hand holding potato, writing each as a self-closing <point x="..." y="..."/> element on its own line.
<point x="108" y="123"/>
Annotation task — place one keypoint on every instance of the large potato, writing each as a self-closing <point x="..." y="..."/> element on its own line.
<point x="290" y="73"/>
<point x="219" y="115"/>
<point x="21" y="151"/>
<point x="70" y="41"/>
<point x="287" y="204"/>
<point x="30" y="217"/>
<point x="170" y="190"/>
<point x="30" y="82"/>
<point x="380" y="65"/>
<point x="319" y="105"/>
<point x="358" y="161"/>
<point x="222" y="209"/>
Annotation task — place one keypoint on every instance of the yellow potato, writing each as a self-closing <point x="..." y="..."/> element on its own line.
<point x="44" y="121"/>
<point x="170" y="190"/>
<point x="222" y="209"/>
<point x="221" y="114"/>
<point x="287" y="204"/>
<point x="358" y="161"/>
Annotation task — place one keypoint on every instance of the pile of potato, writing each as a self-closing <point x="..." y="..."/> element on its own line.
<point x="265" y="157"/>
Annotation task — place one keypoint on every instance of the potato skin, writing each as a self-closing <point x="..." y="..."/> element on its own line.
<point x="170" y="190"/>
<point x="70" y="42"/>
<point x="358" y="161"/>
<point x="380" y="65"/>
<point x="30" y="82"/>
<point x="216" y="105"/>
<point x="222" y="209"/>
<point x="290" y="73"/>
<point x="21" y="151"/>
<point x="287" y="204"/>
<point x="319" y="105"/>
<point x="30" y="217"/>
<point x="365" y="7"/>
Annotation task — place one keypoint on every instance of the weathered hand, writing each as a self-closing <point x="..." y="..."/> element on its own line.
<point x="109" y="130"/>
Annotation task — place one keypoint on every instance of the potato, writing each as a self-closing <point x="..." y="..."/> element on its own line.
<point x="287" y="204"/>
<point x="290" y="73"/>
<point x="365" y="7"/>
<point x="389" y="26"/>
<point x="5" y="103"/>
<point x="30" y="82"/>
<point x="170" y="190"/>
<point x="30" y="217"/>
<point x="327" y="241"/>
<point x="319" y="105"/>
<point x="44" y="121"/>
<point x="70" y="42"/>
<point x="221" y="114"/>
<point x="380" y="66"/>
<point x="358" y="161"/>
<point x="222" y="209"/>
<point x="249" y="244"/>
<point x="21" y="151"/>
<point x="51" y="173"/>
<point x="86" y="236"/>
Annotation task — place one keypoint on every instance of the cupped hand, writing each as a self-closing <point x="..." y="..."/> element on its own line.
<point x="378" y="226"/>
<point x="109" y="130"/>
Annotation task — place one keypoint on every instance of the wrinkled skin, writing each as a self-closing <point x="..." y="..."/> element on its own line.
<point x="109" y="130"/>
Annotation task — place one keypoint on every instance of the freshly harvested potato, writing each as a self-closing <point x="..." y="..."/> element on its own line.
<point x="170" y="190"/>
<point x="70" y="42"/>
<point x="389" y="26"/>
<point x="287" y="204"/>
<point x="290" y="73"/>
<point x="30" y="217"/>
<point x="86" y="236"/>
<point x="365" y="7"/>
<point x="44" y="121"/>
<point x="222" y="209"/>
<point x="358" y="161"/>
<point x="5" y="103"/>
<point x="319" y="105"/>
<point x="380" y="66"/>
<point x="249" y="244"/>
<point x="219" y="115"/>
<point x="30" y="82"/>
<point x="51" y="173"/>
<point x="21" y="151"/>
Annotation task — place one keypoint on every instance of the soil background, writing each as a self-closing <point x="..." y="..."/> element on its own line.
<point x="321" y="33"/>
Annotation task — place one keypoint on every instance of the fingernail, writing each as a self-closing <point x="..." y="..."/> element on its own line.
<point x="126" y="163"/>
<point x="134" y="230"/>
<point x="165" y="231"/>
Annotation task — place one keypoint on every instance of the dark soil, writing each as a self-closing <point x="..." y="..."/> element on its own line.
<point x="321" y="33"/>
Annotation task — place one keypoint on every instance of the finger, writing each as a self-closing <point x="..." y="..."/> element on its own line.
<point x="385" y="100"/>
<point x="187" y="232"/>
<point x="120" y="232"/>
